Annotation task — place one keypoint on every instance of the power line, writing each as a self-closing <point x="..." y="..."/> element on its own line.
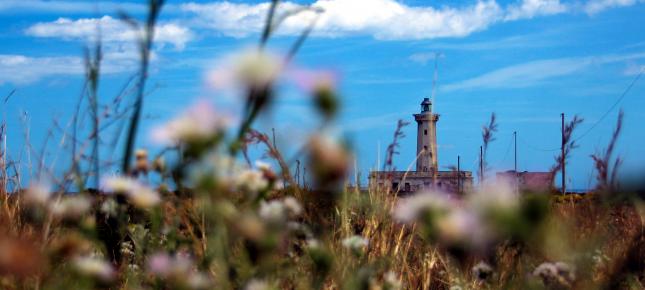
<point x="631" y="85"/>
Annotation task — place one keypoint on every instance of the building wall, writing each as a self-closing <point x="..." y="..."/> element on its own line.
<point x="410" y="182"/>
<point x="531" y="181"/>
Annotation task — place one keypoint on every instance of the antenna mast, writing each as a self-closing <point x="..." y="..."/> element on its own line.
<point x="434" y="78"/>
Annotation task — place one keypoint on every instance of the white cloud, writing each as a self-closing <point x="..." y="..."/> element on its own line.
<point x="20" y="69"/>
<point x="532" y="73"/>
<point x="533" y="8"/>
<point x="383" y="19"/>
<point x="595" y="6"/>
<point x="112" y="30"/>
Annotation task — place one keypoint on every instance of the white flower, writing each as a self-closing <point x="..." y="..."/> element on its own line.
<point x="252" y="68"/>
<point x="138" y="194"/>
<point x="482" y="271"/>
<point x="164" y="265"/>
<point x="498" y="197"/>
<point x="273" y="211"/>
<point x="355" y="243"/>
<point x="408" y="209"/>
<point x="251" y="181"/>
<point x="199" y="122"/>
<point x="144" y="197"/>
<point x="277" y="211"/>
<point x="262" y="166"/>
<point x="94" y="267"/>
<point x="391" y="281"/>
<point x="119" y="184"/>
<point x="38" y="193"/>
<point x="555" y="274"/>
<point x="71" y="206"/>
<point x="461" y="225"/>
<point x="256" y="284"/>
<point x="292" y="205"/>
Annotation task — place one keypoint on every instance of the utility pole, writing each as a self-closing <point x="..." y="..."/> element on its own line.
<point x="564" y="162"/>
<point x="458" y="174"/>
<point x="515" y="144"/>
<point x="481" y="165"/>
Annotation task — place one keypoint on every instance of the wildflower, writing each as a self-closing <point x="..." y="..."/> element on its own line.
<point x="292" y="206"/>
<point x="251" y="181"/>
<point x="141" y="163"/>
<point x="38" y="193"/>
<point x="409" y="209"/>
<point x="250" y="69"/>
<point x="71" y="207"/>
<point x="328" y="160"/>
<point x="138" y="194"/>
<point x="495" y="198"/>
<point x="159" y="164"/>
<point x="355" y="243"/>
<point x="256" y="284"/>
<point x="165" y="266"/>
<point x="556" y="274"/>
<point x="482" y="271"/>
<point x="277" y="211"/>
<point x="391" y="281"/>
<point x="200" y="122"/>
<point x="461" y="226"/>
<point x="109" y="207"/>
<point x="94" y="267"/>
<point x="322" y="86"/>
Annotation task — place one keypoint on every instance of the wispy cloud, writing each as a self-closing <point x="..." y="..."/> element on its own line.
<point x="595" y="6"/>
<point x="112" y="30"/>
<point x="532" y="73"/>
<point x="21" y="69"/>
<point x="384" y="19"/>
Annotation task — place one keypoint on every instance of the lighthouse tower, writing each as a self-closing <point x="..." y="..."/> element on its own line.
<point x="426" y="138"/>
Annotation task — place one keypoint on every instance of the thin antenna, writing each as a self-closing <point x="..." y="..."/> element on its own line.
<point x="458" y="174"/>
<point x="515" y="144"/>
<point x="434" y="78"/>
<point x="564" y="162"/>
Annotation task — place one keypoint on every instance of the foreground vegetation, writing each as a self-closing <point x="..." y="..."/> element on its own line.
<point x="202" y="215"/>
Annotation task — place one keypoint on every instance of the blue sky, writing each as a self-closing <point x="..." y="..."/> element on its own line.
<point x="527" y="61"/>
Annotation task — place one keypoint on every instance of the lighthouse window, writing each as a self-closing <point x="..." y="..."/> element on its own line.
<point x="425" y="148"/>
<point x="425" y="132"/>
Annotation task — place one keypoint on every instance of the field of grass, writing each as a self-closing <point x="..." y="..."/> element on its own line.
<point x="201" y="215"/>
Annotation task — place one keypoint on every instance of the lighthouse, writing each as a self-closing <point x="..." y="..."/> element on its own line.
<point x="426" y="138"/>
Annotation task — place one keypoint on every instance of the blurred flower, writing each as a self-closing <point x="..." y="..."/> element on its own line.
<point x="165" y="266"/>
<point x="556" y="274"/>
<point x="138" y="194"/>
<point x="141" y="163"/>
<point x="200" y="122"/>
<point x="461" y="226"/>
<point x="256" y="284"/>
<point x="251" y="181"/>
<point x="355" y="243"/>
<point x="159" y="164"/>
<point x="252" y="68"/>
<point x="482" y="271"/>
<point x="109" y="207"/>
<point x="328" y="160"/>
<point x="38" y="193"/>
<point x="322" y="86"/>
<point x="409" y="209"/>
<point x="277" y="211"/>
<point x="94" y="267"/>
<point x="495" y="198"/>
<point x="71" y="207"/>
<point x="391" y="281"/>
